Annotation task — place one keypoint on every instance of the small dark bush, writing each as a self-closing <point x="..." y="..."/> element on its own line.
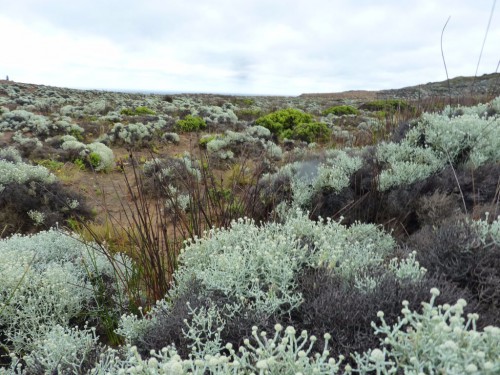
<point x="248" y="114"/>
<point x="334" y="305"/>
<point x="52" y="200"/>
<point x="171" y="323"/>
<point x="455" y="251"/>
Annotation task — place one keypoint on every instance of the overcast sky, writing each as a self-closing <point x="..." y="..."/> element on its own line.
<point x="284" y="47"/>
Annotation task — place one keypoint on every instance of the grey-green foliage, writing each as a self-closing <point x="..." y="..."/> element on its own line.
<point x="469" y="136"/>
<point x="438" y="340"/>
<point x="253" y="141"/>
<point x="135" y="134"/>
<point x="170" y="137"/>
<point x="256" y="265"/>
<point x="216" y="114"/>
<point x="46" y="281"/>
<point x="11" y="154"/>
<point x="61" y="350"/>
<point x="310" y="177"/>
<point x="449" y="137"/>
<point x="281" y="352"/>
<point x="406" y="163"/>
<point x="20" y="173"/>
<point x="25" y="121"/>
<point x="106" y="158"/>
<point x="26" y="142"/>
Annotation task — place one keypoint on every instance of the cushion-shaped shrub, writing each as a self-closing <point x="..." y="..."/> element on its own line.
<point x="48" y="279"/>
<point x="191" y="124"/>
<point x="284" y="119"/>
<point x="340" y="110"/>
<point x="439" y="339"/>
<point x="250" y="272"/>
<point x="311" y="132"/>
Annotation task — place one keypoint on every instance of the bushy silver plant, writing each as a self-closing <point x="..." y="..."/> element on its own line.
<point x="406" y="163"/>
<point x="47" y="280"/>
<point x="284" y="352"/>
<point x="22" y="173"/>
<point x="439" y="340"/>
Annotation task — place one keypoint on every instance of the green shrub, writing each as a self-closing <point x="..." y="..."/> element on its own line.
<point x="79" y="163"/>
<point x="284" y="119"/>
<point x="311" y="132"/>
<point x="340" y="110"/>
<point x="191" y="124"/>
<point x="248" y="113"/>
<point x="127" y="112"/>
<point x="138" y="111"/>
<point x="51" y="165"/>
<point x="144" y="111"/>
<point x="94" y="159"/>
<point x="292" y="123"/>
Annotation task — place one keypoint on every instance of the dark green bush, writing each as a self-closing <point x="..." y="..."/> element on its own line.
<point x="284" y="119"/>
<point x="340" y="110"/>
<point x="138" y="111"/>
<point x="292" y="123"/>
<point x="311" y="132"/>
<point x="389" y="105"/>
<point x="248" y="113"/>
<point x="191" y="124"/>
<point x="144" y="111"/>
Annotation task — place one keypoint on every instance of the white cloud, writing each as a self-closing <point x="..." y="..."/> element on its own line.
<point x="259" y="46"/>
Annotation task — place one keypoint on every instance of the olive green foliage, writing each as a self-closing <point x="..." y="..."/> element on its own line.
<point x="191" y="124"/>
<point x="283" y="119"/>
<point x="94" y="159"/>
<point x="79" y="163"/>
<point x="390" y="105"/>
<point x="309" y="132"/>
<point x="340" y="110"/>
<point x="138" y="111"/>
<point x="294" y="124"/>
<point x="248" y="113"/>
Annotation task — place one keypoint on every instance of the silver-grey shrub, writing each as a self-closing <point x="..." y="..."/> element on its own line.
<point x="61" y="350"/>
<point x="310" y="177"/>
<point x="406" y="163"/>
<point x="82" y="150"/>
<point x="21" y="173"/>
<point x="24" y="121"/>
<point x="47" y="280"/>
<point x="468" y="137"/>
<point x="438" y="340"/>
<point x="256" y="266"/>
<point x="216" y="115"/>
<point x="281" y="352"/>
